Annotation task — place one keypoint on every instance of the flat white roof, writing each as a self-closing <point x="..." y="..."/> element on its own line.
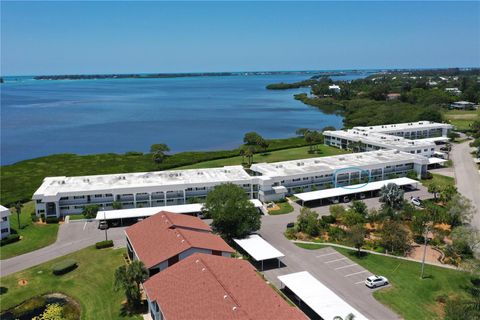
<point x="51" y="186"/>
<point x="357" y="188"/>
<point x="328" y="164"/>
<point x="318" y="297"/>
<point x="373" y="137"/>
<point x="405" y="126"/>
<point x="150" y="211"/>
<point x="434" y="160"/>
<point x="258" y="248"/>
<point x="435" y="139"/>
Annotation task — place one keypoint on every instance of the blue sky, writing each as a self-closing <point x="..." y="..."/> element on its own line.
<point x="121" y="37"/>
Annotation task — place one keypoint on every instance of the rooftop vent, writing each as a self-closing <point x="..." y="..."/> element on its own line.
<point x="225" y="296"/>
<point x="197" y="261"/>
<point x="203" y="269"/>
<point x="234" y="308"/>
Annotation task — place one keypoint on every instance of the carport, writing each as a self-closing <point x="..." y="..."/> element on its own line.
<point x="318" y="297"/>
<point x="133" y="213"/>
<point x="259" y="249"/>
<point x="353" y="189"/>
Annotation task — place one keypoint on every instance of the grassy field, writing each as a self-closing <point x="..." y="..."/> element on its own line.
<point x="280" y="155"/>
<point x="285" y="208"/>
<point x="20" y="180"/>
<point x="440" y="180"/>
<point x="410" y="296"/>
<point x="91" y="284"/>
<point x="462" y="119"/>
<point x="34" y="236"/>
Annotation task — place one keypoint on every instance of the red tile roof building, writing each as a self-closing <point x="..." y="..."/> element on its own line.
<point x="210" y="287"/>
<point x="166" y="238"/>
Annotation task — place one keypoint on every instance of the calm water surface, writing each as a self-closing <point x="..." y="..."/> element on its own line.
<point x="200" y="113"/>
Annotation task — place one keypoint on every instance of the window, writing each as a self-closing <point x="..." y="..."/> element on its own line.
<point x="4" y="230"/>
<point x="4" y="218"/>
<point x="306" y="178"/>
<point x="63" y="198"/>
<point x="79" y="197"/>
<point x="79" y="207"/>
<point x="418" y="151"/>
<point x="65" y="208"/>
<point x="108" y="195"/>
<point x="41" y="211"/>
<point x="98" y="196"/>
<point x="39" y="201"/>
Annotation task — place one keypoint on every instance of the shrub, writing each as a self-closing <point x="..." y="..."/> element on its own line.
<point x="51" y="220"/>
<point x="34" y="218"/>
<point x="427" y="176"/>
<point x="64" y="266"/>
<point x="104" y="244"/>
<point x="134" y="153"/>
<point x="329" y="219"/>
<point x="10" y="239"/>
<point x="42" y="216"/>
<point x="336" y="234"/>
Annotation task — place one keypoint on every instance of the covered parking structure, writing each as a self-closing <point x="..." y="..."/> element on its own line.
<point x="357" y="189"/>
<point x="320" y="299"/>
<point x="129" y="216"/>
<point x="259" y="249"/>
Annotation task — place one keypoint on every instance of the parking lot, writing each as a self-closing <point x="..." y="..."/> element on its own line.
<point x="344" y="267"/>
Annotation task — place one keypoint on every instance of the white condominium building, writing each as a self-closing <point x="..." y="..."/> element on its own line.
<point x="59" y="196"/>
<point x="414" y="137"/>
<point x="287" y="177"/>
<point x="411" y="130"/>
<point x="5" y="222"/>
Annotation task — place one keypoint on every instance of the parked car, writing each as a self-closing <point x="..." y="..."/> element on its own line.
<point x="376" y="281"/>
<point x="362" y="195"/>
<point x="290" y="225"/>
<point x="416" y="201"/>
<point x="334" y="200"/>
<point x="346" y="199"/>
<point x="103" y="225"/>
<point x="410" y="187"/>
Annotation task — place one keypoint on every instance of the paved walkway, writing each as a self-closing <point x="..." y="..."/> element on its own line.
<point x="467" y="177"/>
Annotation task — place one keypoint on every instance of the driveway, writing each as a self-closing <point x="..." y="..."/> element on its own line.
<point x="72" y="237"/>
<point x="337" y="272"/>
<point x="467" y="176"/>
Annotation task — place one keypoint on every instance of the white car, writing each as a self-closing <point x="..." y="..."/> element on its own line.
<point x="376" y="281"/>
<point x="416" y="201"/>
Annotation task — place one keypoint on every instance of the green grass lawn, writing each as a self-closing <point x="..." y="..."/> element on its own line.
<point x="273" y="156"/>
<point x="285" y="208"/>
<point x="91" y="284"/>
<point x="77" y="217"/>
<point x="409" y="296"/>
<point x="440" y="180"/>
<point x="462" y="119"/>
<point x="34" y="236"/>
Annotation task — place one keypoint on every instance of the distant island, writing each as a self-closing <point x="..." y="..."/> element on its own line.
<point x="317" y="74"/>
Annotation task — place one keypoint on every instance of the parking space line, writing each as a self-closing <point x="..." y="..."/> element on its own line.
<point x="327" y="254"/>
<point x="84" y="226"/>
<point x="344" y="258"/>
<point x="360" y="282"/>
<point x="347" y="266"/>
<point x="352" y="274"/>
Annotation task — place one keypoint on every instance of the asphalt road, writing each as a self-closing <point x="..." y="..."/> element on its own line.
<point x="467" y="177"/>
<point x="341" y="276"/>
<point x="72" y="237"/>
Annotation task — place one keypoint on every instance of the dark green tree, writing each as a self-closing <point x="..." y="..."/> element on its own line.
<point x="356" y="236"/>
<point x="18" y="209"/>
<point x="234" y="216"/>
<point x="90" y="211"/>
<point x="252" y="138"/>
<point x="159" y="152"/>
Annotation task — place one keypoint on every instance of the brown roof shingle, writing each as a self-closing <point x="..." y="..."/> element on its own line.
<point x="167" y="234"/>
<point x="211" y="287"/>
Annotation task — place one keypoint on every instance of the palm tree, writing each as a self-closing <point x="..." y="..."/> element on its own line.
<point x="263" y="144"/>
<point x="129" y="279"/>
<point x="18" y="209"/>
<point x="392" y="196"/>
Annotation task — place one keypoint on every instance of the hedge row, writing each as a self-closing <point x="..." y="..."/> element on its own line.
<point x="51" y="220"/>
<point x="64" y="266"/>
<point x="104" y="244"/>
<point x="10" y="239"/>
